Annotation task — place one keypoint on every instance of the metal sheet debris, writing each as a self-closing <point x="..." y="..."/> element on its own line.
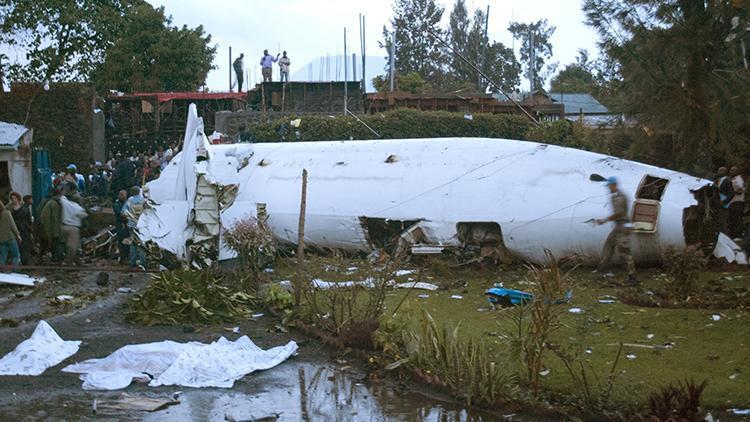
<point x="419" y="285"/>
<point x="42" y="350"/>
<point x="193" y="364"/>
<point x="726" y="248"/>
<point x="128" y="402"/>
<point x="19" y="279"/>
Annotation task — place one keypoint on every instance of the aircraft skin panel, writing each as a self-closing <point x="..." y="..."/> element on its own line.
<point x="540" y="195"/>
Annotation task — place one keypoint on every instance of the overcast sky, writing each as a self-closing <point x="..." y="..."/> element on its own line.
<point x="311" y="28"/>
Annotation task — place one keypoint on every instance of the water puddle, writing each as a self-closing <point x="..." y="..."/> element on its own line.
<point x="326" y="393"/>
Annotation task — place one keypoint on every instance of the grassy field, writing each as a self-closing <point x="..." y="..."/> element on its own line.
<point x="665" y="345"/>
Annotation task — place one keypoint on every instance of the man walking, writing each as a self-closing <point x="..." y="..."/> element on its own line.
<point x="618" y="241"/>
<point x="121" y="228"/>
<point x="132" y="211"/>
<point x="237" y="65"/>
<point x="266" y="64"/>
<point x="51" y="220"/>
<point x="72" y="219"/>
<point x="284" y="64"/>
<point x="737" y="204"/>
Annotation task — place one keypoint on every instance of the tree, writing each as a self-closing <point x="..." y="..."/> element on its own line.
<point x="151" y="55"/>
<point x="536" y="48"/>
<point x="417" y="50"/>
<point x="409" y="82"/>
<point x="576" y="77"/>
<point x="494" y="59"/>
<point x="63" y="39"/>
<point x="679" y="71"/>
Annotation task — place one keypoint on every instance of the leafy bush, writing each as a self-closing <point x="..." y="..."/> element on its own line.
<point x="683" y="268"/>
<point x="176" y="297"/>
<point x="254" y="243"/>
<point x="679" y="402"/>
<point x="278" y="298"/>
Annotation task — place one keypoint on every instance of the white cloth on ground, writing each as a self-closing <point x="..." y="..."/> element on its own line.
<point x="193" y="364"/>
<point x="44" y="349"/>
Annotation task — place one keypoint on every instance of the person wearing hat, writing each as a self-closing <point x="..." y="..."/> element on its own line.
<point x="618" y="241"/>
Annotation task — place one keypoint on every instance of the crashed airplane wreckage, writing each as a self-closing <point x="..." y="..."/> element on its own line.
<point x="491" y="197"/>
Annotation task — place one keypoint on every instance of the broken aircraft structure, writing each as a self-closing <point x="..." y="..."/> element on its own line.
<point x="495" y="197"/>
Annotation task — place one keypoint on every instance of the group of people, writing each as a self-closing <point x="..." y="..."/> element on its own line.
<point x="121" y="172"/>
<point x="731" y="186"/>
<point x="266" y="65"/>
<point x="16" y="228"/>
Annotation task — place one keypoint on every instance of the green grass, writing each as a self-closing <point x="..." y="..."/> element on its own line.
<point x="703" y="348"/>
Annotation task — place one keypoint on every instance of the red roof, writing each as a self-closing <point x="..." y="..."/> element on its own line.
<point x="167" y="96"/>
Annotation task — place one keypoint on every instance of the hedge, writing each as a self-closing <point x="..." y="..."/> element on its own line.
<point x="396" y="124"/>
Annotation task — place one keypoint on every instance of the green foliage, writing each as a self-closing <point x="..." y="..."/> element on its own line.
<point x="176" y="297"/>
<point x="151" y="55"/>
<point x="540" y="50"/>
<point x="416" y="50"/>
<point x="278" y="298"/>
<point x="683" y="267"/>
<point x="62" y="40"/>
<point x="254" y="244"/>
<point x="465" y="366"/>
<point x="409" y="82"/>
<point x="680" y="402"/>
<point x="396" y="124"/>
<point x="467" y="37"/>
<point x="568" y="134"/>
<point x="678" y="69"/>
<point x="575" y="77"/>
<point x="61" y="119"/>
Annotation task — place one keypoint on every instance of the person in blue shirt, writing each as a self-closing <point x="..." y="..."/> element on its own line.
<point x="132" y="210"/>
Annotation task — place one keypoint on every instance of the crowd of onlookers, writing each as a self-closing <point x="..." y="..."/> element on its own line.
<point x="56" y="230"/>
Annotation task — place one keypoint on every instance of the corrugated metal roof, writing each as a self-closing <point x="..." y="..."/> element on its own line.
<point x="10" y="133"/>
<point x="574" y="103"/>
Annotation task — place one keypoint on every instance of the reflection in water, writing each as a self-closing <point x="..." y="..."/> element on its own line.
<point x="325" y="395"/>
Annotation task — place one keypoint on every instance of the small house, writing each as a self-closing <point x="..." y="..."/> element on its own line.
<point x="15" y="159"/>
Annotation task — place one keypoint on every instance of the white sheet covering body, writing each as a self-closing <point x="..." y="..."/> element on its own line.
<point x="44" y="349"/>
<point x="541" y="196"/>
<point x="193" y="364"/>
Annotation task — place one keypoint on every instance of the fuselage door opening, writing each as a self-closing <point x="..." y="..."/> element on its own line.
<point x="648" y="204"/>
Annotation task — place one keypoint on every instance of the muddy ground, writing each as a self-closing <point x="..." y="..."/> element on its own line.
<point x="336" y="386"/>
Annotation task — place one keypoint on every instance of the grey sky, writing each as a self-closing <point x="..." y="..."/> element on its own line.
<point x="311" y="28"/>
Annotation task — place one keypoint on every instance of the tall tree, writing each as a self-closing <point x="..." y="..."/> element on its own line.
<point x="536" y="48"/>
<point x="458" y="31"/>
<point x="576" y="77"/>
<point x="63" y="40"/>
<point x="470" y="40"/>
<point x="151" y="55"/>
<point x="416" y="50"/>
<point x="680" y="72"/>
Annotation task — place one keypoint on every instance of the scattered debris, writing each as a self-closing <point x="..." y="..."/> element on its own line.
<point x="607" y="301"/>
<point x="649" y="336"/>
<point x="236" y="330"/>
<point x="218" y="364"/>
<point x="423" y="296"/>
<point x="42" y="350"/>
<point x="63" y="298"/>
<point x="258" y="315"/>
<point x="324" y="285"/>
<point x="630" y="356"/>
<point x="739" y="411"/>
<point x="715" y="317"/>
<point x="456" y="297"/>
<point x="128" y="402"/>
<point x="125" y="290"/>
<point x="734" y="376"/>
<point x="575" y="310"/>
<point x="499" y="295"/>
<point x="419" y="285"/>
<point x="726" y="248"/>
<point x="544" y="372"/>
<point x="401" y="273"/>
<point x="589" y="351"/>
<point x="19" y="279"/>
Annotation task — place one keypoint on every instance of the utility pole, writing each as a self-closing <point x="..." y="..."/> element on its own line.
<point x="485" y="47"/>
<point x="362" y="41"/>
<point x="230" y="68"/>
<point x="346" y="74"/>
<point x="393" y="57"/>
<point x="532" y="62"/>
